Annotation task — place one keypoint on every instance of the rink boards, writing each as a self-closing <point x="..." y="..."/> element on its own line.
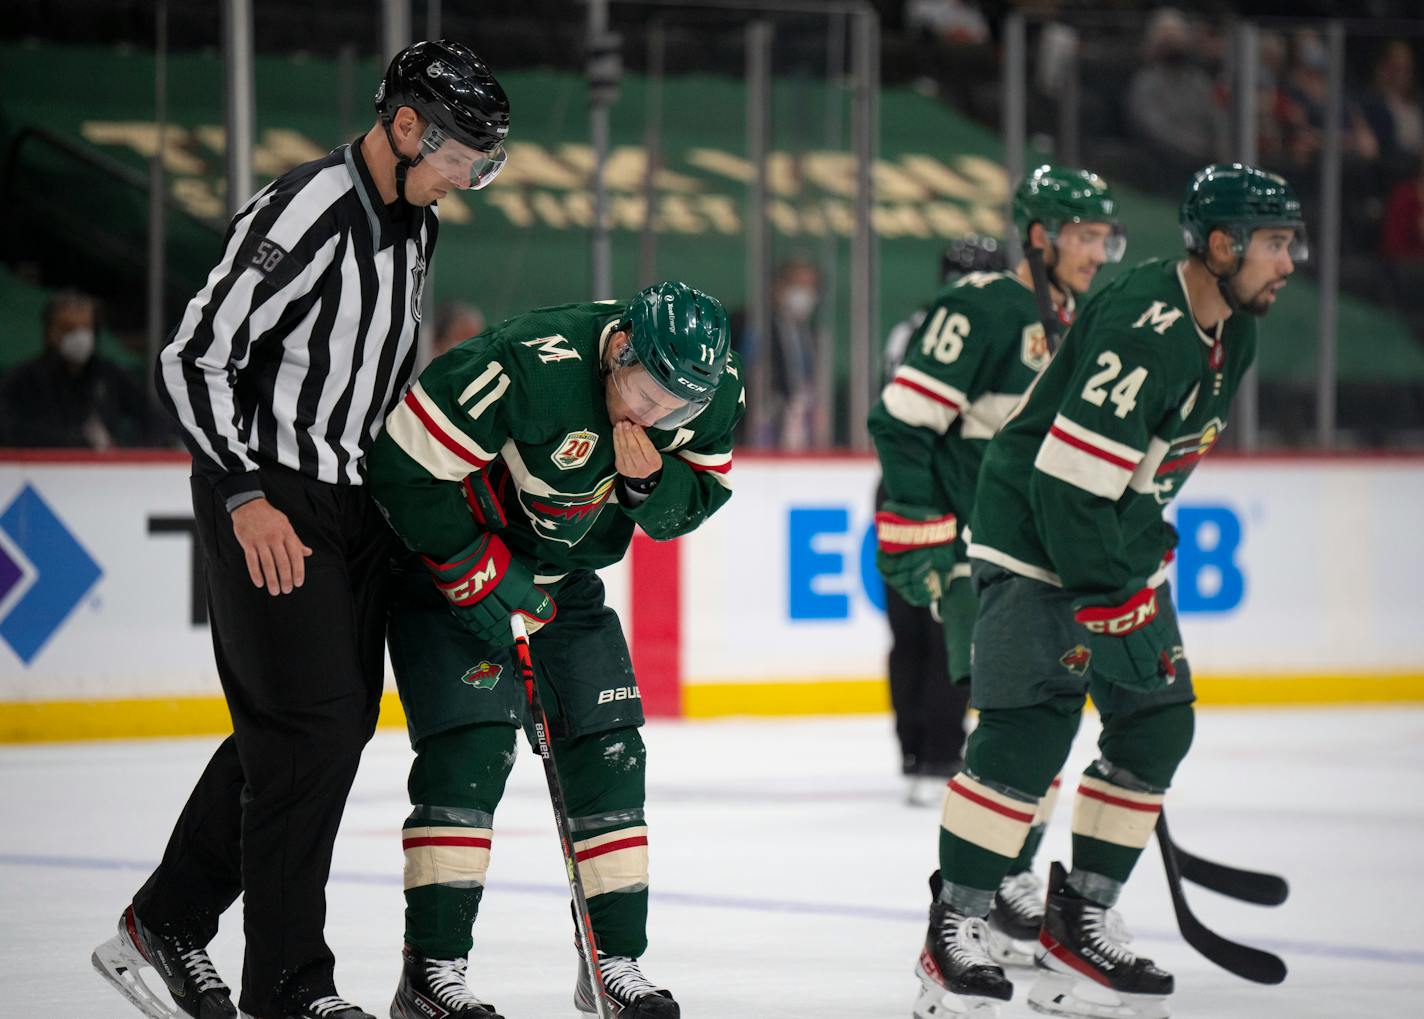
<point x="1298" y="581"/>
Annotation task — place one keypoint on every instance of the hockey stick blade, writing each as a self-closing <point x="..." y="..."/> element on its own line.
<point x="1245" y="885"/>
<point x="1244" y="961"/>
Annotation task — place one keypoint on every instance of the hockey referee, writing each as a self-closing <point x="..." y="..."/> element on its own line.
<point x="279" y="375"/>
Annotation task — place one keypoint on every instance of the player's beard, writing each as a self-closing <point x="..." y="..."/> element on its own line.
<point x="1255" y="303"/>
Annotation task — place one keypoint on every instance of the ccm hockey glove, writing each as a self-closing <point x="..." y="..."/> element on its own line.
<point x="485" y="585"/>
<point x="1131" y="644"/>
<point x="916" y="551"/>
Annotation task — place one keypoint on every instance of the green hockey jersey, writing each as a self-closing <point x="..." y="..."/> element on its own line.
<point x="965" y="368"/>
<point x="523" y="406"/>
<point x="1072" y="489"/>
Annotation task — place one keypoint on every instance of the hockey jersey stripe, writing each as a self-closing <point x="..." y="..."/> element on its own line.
<point x="718" y="465"/>
<point x="720" y="462"/>
<point x="1144" y="478"/>
<point x="438" y="855"/>
<point x="1069" y="459"/>
<point x="1110" y="813"/>
<point x="921" y="382"/>
<point x="986" y="818"/>
<point x="1111" y="450"/>
<point x="918" y="409"/>
<point x="411" y="435"/>
<point x="428" y="438"/>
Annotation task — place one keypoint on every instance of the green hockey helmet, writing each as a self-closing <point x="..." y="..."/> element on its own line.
<point x="1055" y="195"/>
<point x="679" y="341"/>
<point x="1240" y="199"/>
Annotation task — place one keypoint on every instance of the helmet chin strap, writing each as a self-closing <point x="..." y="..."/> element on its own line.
<point x="403" y="162"/>
<point x="1053" y="277"/>
<point x="1223" y="283"/>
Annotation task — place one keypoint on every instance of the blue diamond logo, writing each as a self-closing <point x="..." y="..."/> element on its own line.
<point x="37" y="546"/>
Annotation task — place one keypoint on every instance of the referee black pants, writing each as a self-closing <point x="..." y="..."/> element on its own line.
<point x="302" y="674"/>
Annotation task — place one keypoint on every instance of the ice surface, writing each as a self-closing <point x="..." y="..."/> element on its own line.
<point x="788" y="876"/>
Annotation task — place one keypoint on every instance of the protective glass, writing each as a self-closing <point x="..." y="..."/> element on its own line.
<point x="1267" y="242"/>
<point x="647" y="400"/>
<point x="462" y="166"/>
<point x="1109" y="245"/>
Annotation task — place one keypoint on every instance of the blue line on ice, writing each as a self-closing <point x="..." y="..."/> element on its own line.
<point x="1402" y="956"/>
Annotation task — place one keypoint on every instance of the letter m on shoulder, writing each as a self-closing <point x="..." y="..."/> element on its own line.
<point x="1158" y="318"/>
<point x="551" y="348"/>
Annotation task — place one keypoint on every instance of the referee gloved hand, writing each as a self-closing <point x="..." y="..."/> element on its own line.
<point x="916" y="551"/>
<point x="1130" y="643"/>
<point x="485" y="585"/>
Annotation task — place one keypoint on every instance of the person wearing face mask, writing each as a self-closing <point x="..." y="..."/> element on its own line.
<point x="514" y="469"/>
<point x="1171" y="100"/>
<point x="71" y="396"/>
<point x="788" y="356"/>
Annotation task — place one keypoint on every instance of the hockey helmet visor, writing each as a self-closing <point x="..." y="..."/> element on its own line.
<point x="651" y="403"/>
<point x="463" y="166"/>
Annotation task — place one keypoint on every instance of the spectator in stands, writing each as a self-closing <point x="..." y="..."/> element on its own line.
<point x="1172" y="103"/>
<point x="1392" y="108"/>
<point x="1272" y="112"/>
<point x="1403" y="237"/>
<point x="1306" y="89"/>
<point x="455" y="322"/>
<point x="72" y="396"/>
<point x="1402" y="245"/>
<point x="790" y="418"/>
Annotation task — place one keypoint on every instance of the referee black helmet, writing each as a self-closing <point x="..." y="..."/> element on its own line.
<point x="449" y="86"/>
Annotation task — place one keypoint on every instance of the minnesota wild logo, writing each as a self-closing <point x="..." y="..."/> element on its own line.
<point x="483" y="676"/>
<point x="566" y="517"/>
<point x="1076" y="660"/>
<point x="1182" y="457"/>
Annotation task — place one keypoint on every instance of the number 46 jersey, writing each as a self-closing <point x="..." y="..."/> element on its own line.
<point x="980" y="346"/>
<point x="1072" y="489"/>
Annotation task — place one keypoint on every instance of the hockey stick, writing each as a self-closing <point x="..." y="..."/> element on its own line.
<point x="1043" y="293"/>
<point x="1246" y="962"/>
<point x="1233" y="882"/>
<point x="583" y="920"/>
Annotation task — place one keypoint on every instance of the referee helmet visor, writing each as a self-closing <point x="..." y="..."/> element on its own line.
<point x="462" y="165"/>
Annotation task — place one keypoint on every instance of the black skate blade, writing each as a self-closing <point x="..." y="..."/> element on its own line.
<point x="1244" y="885"/>
<point x="1249" y="963"/>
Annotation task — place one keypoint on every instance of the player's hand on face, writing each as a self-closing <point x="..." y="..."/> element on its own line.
<point x="276" y="557"/>
<point x="634" y="455"/>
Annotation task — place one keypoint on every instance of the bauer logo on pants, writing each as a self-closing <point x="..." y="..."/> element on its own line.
<point x="619" y="693"/>
<point x="483" y="676"/>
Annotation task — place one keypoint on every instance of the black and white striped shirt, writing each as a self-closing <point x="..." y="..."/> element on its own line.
<point x="304" y="337"/>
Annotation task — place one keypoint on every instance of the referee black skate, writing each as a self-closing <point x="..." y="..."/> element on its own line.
<point x="279" y="375"/>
